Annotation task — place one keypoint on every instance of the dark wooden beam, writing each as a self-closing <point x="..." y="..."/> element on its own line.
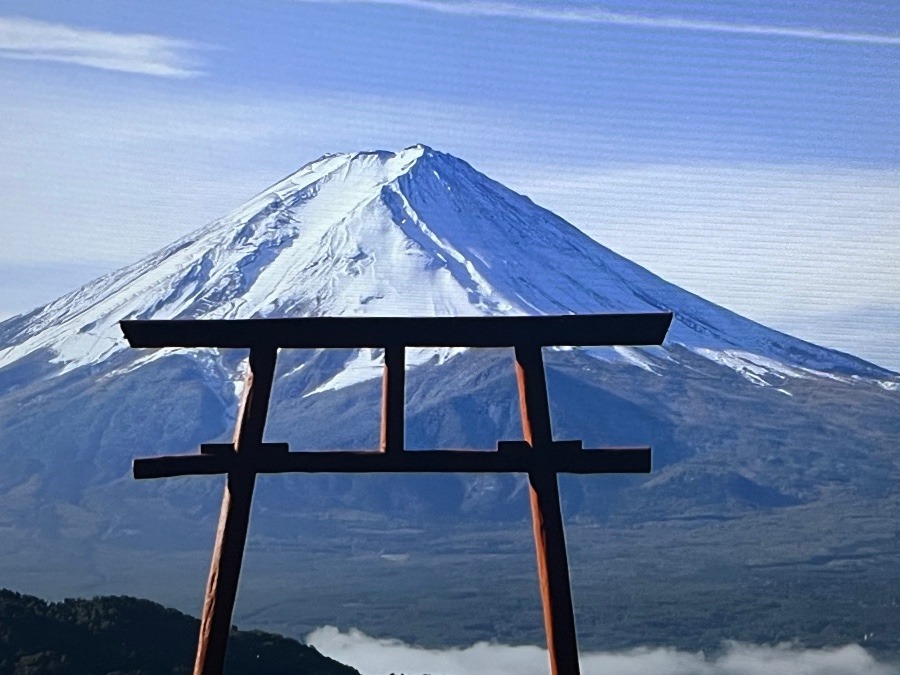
<point x="546" y="514"/>
<point x="393" y="400"/>
<point x="234" y="517"/>
<point x="612" y="460"/>
<point x="375" y="332"/>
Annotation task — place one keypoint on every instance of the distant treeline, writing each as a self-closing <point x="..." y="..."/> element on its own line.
<point x="128" y="636"/>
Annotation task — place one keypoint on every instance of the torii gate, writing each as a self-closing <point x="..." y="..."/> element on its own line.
<point x="538" y="454"/>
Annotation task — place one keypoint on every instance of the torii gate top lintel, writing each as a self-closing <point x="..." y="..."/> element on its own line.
<point x="571" y="330"/>
<point x="538" y="455"/>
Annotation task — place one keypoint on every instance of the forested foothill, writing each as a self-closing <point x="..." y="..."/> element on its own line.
<point x="128" y="636"/>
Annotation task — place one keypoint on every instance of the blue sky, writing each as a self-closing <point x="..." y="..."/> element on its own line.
<point x="748" y="151"/>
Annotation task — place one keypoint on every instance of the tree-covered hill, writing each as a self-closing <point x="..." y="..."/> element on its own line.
<point x="129" y="636"/>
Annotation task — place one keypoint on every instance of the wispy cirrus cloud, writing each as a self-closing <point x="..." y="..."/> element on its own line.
<point x="141" y="53"/>
<point x="597" y="15"/>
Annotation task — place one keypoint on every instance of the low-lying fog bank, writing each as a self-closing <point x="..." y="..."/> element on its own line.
<point x="373" y="656"/>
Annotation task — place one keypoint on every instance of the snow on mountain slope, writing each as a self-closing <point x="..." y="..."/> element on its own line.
<point x="416" y="232"/>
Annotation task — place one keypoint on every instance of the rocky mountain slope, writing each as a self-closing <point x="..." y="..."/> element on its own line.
<point x="768" y="450"/>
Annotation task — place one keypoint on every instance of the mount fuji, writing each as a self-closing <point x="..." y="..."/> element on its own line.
<point x="413" y="233"/>
<point x="771" y="453"/>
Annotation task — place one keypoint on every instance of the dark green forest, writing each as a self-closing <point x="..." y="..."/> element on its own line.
<point x="127" y="636"/>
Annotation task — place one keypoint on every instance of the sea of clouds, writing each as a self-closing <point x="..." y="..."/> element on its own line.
<point x="373" y="656"/>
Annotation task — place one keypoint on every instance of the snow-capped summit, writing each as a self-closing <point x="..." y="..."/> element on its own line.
<point x="773" y="459"/>
<point x="414" y="232"/>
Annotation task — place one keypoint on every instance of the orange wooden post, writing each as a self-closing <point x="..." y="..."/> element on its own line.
<point x="234" y="517"/>
<point x="546" y="515"/>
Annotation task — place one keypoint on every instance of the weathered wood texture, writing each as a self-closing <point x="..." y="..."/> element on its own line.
<point x="234" y="518"/>
<point x="546" y="515"/>
<point x="224" y="573"/>
<point x="538" y="455"/>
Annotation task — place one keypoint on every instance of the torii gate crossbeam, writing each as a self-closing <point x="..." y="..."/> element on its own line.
<point x="538" y="454"/>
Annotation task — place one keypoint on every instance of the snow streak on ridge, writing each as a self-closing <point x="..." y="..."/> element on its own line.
<point x="416" y="232"/>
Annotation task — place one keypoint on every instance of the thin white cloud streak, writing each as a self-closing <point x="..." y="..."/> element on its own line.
<point x="790" y="228"/>
<point x="375" y="657"/>
<point x="81" y="172"/>
<point x="809" y="250"/>
<point x="599" y="16"/>
<point x="140" y="53"/>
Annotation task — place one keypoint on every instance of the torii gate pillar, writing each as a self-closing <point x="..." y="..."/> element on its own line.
<point x="546" y="516"/>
